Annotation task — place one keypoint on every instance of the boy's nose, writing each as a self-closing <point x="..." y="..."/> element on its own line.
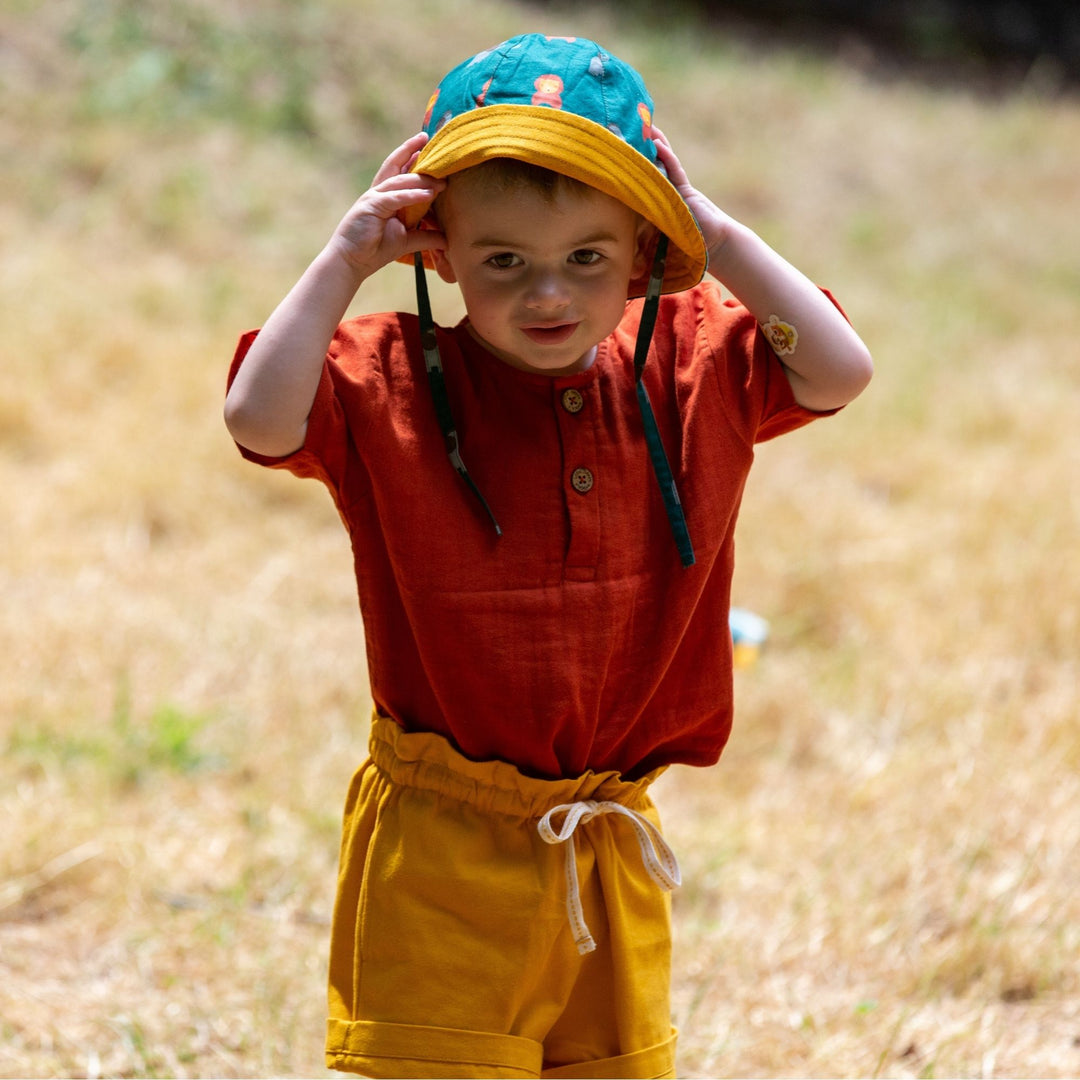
<point x="546" y="291"/>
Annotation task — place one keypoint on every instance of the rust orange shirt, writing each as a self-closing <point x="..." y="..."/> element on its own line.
<point x="577" y="640"/>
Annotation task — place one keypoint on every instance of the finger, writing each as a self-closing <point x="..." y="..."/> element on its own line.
<point x="391" y="199"/>
<point x="663" y="147"/>
<point x="413" y="179"/>
<point x="402" y="158"/>
<point x="676" y="172"/>
<point x="424" y="186"/>
<point x="424" y="240"/>
<point x="411" y="167"/>
<point x="387" y="202"/>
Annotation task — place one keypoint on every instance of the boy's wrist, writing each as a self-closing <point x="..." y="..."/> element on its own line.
<point x="334" y="260"/>
<point x="722" y="245"/>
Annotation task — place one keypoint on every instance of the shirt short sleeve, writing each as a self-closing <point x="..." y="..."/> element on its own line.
<point x="753" y="386"/>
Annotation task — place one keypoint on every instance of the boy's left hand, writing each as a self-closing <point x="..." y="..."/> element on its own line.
<point x="824" y="360"/>
<point x="714" y="223"/>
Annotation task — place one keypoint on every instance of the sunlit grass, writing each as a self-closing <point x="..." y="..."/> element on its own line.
<point x="881" y="875"/>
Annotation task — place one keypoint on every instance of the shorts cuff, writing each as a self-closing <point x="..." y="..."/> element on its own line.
<point x="388" y="1050"/>
<point x="655" y="1063"/>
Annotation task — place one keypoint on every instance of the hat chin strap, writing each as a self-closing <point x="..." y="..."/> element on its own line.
<point x="661" y="467"/>
<point x="437" y="382"/>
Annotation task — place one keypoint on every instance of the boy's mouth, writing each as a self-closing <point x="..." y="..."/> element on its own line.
<point x="549" y="333"/>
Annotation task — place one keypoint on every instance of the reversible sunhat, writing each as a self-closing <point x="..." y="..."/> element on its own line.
<point x="567" y="105"/>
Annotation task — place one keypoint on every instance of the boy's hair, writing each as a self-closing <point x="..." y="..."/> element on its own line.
<point x="507" y="175"/>
<point x="510" y="174"/>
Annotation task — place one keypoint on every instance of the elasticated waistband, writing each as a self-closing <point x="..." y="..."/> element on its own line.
<point x="429" y="762"/>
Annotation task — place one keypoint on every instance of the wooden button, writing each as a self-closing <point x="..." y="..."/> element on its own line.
<point x="572" y="400"/>
<point x="582" y="480"/>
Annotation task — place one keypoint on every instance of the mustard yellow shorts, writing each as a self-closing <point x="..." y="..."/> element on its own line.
<point x="466" y="943"/>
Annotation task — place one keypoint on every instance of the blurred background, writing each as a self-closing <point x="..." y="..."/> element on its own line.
<point x="1002" y="37"/>
<point x="882" y="873"/>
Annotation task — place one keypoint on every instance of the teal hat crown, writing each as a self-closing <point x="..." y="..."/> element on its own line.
<point x="574" y="75"/>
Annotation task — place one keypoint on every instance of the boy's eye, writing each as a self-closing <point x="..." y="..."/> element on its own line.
<point x="503" y="261"/>
<point x="585" y="257"/>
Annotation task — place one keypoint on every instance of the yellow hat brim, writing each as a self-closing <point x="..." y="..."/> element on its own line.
<point x="579" y="148"/>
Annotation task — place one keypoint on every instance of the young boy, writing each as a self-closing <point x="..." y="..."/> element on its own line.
<point x="546" y="612"/>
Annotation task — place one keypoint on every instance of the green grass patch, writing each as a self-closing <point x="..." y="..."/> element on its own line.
<point x="128" y="750"/>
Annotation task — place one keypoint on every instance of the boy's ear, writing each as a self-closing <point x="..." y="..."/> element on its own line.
<point x="645" y="248"/>
<point x="434" y="256"/>
<point x="442" y="265"/>
<point x="643" y="254"/>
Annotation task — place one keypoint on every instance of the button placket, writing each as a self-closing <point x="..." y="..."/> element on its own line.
<point x="577" y="423"/>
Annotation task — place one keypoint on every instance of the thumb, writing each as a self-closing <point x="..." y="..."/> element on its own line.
<point x="424" y="238"/>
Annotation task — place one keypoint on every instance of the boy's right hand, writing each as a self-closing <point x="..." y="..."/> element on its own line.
<point x="372" y="234"/>
<point x="270" y="398"/>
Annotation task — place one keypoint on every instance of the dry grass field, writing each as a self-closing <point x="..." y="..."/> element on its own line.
<point x="883" y="873"/>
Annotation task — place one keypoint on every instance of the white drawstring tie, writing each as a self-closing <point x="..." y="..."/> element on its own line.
<point x="658" y="858"/>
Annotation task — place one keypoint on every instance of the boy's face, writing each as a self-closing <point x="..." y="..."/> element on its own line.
<point x="544" y="276"/>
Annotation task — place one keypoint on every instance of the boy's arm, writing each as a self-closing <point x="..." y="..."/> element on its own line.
<point x="825" y="361"/>
<point x="268" y="404"/>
